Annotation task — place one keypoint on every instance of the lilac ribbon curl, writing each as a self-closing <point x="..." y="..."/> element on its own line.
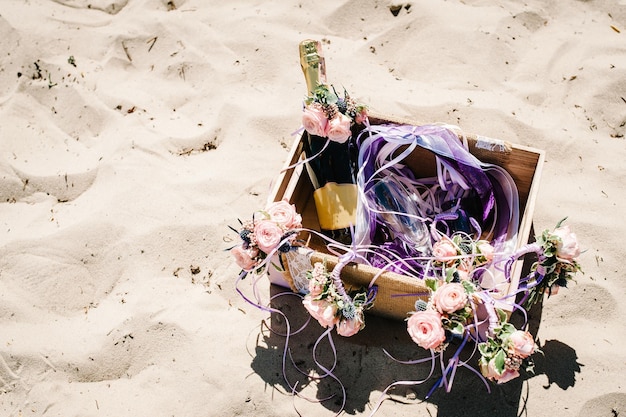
<point x="533" y="279"/>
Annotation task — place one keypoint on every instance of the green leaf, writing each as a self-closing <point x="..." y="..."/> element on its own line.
<point x="506" y="331"/>
<point x="499" y="361"/>
<point x="541" y="239"/>
<point x="501" y="315"/>
<point x="431" y="284"/>
<point x="562" y="282"/>
<point x="468" y="286"/>
<point x="484" y="350"/>
<point x="508" y="328"/>
<point x="457" y="327"/>
<point x="450" y="274"/>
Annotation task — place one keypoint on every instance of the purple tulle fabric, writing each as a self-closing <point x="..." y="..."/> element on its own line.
<point x="491" y="194"/>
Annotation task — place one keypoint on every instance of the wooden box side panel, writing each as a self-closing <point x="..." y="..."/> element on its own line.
<point x="535" y="157"/>
<point x="396" y="294"/>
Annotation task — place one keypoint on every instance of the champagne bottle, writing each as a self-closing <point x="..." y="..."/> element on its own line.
<point x="332" y="172"/>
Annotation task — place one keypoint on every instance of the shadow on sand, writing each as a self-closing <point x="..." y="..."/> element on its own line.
<point x="364" y="368"/>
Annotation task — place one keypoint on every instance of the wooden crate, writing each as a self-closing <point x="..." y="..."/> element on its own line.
<point x="524" y="164"/>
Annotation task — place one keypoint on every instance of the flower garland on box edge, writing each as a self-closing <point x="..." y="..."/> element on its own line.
<point x="451" y="314"/>
<point x="557" y="254"/>
<point x="271" y="230"/>
<point x="274" y="230"/>
<point x="331" y="305"/>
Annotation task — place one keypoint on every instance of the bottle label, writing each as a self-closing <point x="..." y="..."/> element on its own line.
<point x="336" y="205"/>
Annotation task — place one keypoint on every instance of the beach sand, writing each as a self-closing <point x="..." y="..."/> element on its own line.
<point x="134" y="132"/>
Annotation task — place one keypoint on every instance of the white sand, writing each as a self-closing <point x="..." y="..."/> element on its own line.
<point x="120" y="174"/>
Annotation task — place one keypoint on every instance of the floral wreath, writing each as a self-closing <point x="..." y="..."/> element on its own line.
<point x="450" y="314"/>
<point x="557" y="252"/>
<point x="326" y="114"/>
<point x="330" y="304"/>
<point x="505" y="352"/>
<point x="450" y="310"/>
<point x="270" y="230"/>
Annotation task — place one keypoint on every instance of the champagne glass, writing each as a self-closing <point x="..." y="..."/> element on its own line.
<point x="393" y="204"/>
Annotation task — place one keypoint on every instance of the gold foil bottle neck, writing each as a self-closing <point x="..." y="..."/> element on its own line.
<point x="312" y="63"/>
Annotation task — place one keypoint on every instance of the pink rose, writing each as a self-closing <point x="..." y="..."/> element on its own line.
<point x="425" y="329"/>
<point x="284" y="214"/>
<point x="267" y="235"/>
<point x="489" y="371"/>
<point x="450" y="297"/>
<point x="321" y="310"/>
<point x="567" y="248"/>
<point x="315" y="287"/>
<point x="243" y="258"/>
<point x="318" y="279"/>
<point x="314" y="120"/>
<point x="522" y="343"/>
<point x="486" y="250"/>
<point x="339" y="128"/>
<point x="349" y="327"/>
<point x="507" y="375"/>
<point x="443" y="250"/>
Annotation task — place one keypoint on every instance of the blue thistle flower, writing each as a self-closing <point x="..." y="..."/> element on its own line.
<point x="465" y="248"/>
<point x="421" y="305"/>
<point x="349" y="311"/>
<point x="342" y="105"/>
<point x="245" y="235"/>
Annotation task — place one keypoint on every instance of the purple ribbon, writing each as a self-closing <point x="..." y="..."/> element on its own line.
<point x="493" y="186"/>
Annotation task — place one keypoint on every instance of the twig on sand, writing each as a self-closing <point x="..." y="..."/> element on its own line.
<point x="126" y="51"/>
<point x="153" y="40"/>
